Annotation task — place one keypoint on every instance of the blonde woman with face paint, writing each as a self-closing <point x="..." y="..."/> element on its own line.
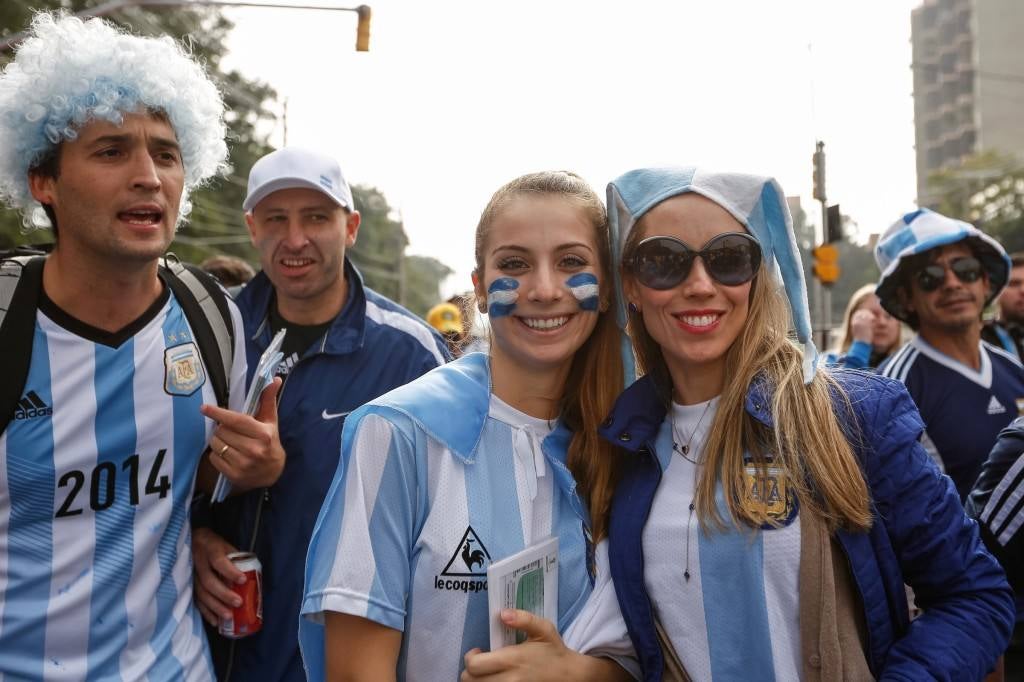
<point x="476" y="461"/>
<point x="769" y="513"/>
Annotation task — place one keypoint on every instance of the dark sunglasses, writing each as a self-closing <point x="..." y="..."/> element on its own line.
<point x="663" y="262"/>
<point x="930" y="277"/>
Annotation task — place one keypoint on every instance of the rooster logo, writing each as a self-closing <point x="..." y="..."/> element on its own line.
<point x="470" y="557"/>
<point x="473" y="557"/>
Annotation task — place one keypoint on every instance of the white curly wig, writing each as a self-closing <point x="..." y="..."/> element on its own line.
<point x="68" y="72"/>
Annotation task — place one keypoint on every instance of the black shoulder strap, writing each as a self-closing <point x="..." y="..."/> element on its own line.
<point x="21" y="281"/>
<point x="206" y="308"/>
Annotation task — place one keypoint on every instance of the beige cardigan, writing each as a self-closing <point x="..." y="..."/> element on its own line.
<point x="832" y="630"/>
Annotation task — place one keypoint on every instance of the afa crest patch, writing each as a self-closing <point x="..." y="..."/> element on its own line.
<point x="183" y="370"/>
<point x="767" y="489"/>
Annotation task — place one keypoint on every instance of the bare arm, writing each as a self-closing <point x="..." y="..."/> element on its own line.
<point x="359" y="650"/>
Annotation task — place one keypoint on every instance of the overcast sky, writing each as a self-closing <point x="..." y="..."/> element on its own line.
<point x="457" y="97"/>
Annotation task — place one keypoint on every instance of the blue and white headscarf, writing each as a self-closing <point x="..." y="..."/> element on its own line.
<point x="757" y="202"/>
<point x="924" y="230"/>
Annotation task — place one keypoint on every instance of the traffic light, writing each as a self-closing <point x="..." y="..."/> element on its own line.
<point x="833" y="224"/>
<point x="363" y="29"/>
<point x="826" y="263"/>
<point x="819" y="172"/>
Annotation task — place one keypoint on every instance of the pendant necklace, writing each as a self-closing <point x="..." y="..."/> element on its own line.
<point x="684" y="451"/>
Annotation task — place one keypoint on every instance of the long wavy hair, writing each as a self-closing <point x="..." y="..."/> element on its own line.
<point x="595" y="377"/>
<point x="807" y="442"/>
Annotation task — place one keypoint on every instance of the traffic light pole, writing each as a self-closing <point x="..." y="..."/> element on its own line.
<point x="362" y="30"/>
<point x="826" y="291"/>
<point x="822" y="294"/>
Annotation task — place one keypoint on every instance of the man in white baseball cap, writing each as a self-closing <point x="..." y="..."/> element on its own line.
<point x="345" y="345"/>
<point x="293" y="167"/>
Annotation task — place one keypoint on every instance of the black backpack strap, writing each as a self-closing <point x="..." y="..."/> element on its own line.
<point x="205" y="305"/>
<point x="21" y="282"/>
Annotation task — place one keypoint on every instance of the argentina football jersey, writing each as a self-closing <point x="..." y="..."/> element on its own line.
<point x="96" y="475"/>
<point x="963" y="409"/>
<point x="409" y="529"/>
<point x="728" y="595"/>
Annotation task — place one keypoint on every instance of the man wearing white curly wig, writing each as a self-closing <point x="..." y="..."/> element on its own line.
<point x="106" y="133"/>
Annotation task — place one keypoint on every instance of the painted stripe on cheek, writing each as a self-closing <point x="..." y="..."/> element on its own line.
<point x="502" y="296"/>
<point x="584" y="288"/>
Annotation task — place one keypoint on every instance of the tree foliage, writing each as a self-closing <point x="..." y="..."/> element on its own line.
<point x="215" y="224"/>
<point x="379" y="253"/>
<point x="986" y="190"/>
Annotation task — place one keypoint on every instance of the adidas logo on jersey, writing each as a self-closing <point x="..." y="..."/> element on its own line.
<point x="32" y="406"/>
<point x="995" y="407"/>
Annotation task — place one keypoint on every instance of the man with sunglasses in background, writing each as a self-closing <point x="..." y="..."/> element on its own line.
<point x="1007" y="329"/>
<point x="938" y="275"/>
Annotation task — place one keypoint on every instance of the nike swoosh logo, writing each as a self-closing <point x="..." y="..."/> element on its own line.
<point x="328" y="415"/>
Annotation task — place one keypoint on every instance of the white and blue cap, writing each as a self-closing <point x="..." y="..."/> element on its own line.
<point x="924" y="230"/>
<point x="757" y="202"/>
<point x="293" y="167"/>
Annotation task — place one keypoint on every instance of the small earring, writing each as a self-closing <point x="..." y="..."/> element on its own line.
<point x="633" y="309"/>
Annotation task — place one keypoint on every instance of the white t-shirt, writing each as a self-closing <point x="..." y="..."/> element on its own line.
<point x="736" y="617"/>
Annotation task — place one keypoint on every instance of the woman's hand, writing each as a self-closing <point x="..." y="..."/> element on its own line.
<point x="862" y="325"/>
<point x="543" y="656"/>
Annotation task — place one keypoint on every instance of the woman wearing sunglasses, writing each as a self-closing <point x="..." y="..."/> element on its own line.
<point x="476" y="461"/>
<point x="769" y="512"/>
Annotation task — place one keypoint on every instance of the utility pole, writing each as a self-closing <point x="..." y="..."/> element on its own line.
<point x="400" y="258"/>
<point x="284" y="122"/>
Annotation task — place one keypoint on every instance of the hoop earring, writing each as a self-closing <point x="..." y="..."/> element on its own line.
<point x="633" y="309"/>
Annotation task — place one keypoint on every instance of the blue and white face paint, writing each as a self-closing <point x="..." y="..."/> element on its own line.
<point x="583" y="286"/>
<point x="502" y="296"/>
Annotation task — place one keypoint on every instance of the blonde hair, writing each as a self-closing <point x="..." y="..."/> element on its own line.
<point x="807" y="443"/>
<point x="856" y="300"/>
<point x="595" y="378"/>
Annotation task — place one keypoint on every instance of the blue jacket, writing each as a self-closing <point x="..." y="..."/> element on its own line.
<point x="921" y="537"/>
<point x="373" y="346"/>
<point x="857" y="356"/>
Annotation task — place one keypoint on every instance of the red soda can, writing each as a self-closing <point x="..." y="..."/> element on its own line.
<point x="246" y="619"/>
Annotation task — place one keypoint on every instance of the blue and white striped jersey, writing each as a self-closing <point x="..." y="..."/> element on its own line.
<point x="439" y="479"/>
<point x="963" y="409"/>
<point x="96" y="475"/>
<point x="736" y="615"/>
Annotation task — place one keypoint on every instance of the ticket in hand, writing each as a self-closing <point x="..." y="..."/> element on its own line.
<point x="527" y="580"/>
<point x="266" y="370"/>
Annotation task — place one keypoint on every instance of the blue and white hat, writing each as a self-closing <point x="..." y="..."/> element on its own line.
<point x="924" y="230"/>
<point x="293" y="167"/>
<point x="757" y="202"/>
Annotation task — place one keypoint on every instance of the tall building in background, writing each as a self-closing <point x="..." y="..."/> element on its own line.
<point x="968" y="82"/>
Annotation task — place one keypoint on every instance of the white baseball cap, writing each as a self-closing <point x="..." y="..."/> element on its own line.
<point x="293" y="167"/>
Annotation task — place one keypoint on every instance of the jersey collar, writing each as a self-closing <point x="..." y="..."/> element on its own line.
<point x="345" y="334"/>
